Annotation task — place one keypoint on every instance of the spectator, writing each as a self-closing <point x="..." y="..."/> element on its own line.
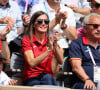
<point x="51" y="7"/>
<point x="4" y="49"/>
<point x="95" y="5"/>
<point x="84" y="54"/>
<point x="42" y="55"/>
<point x="4" y="79"/>
<point x="17" y="60"/>
<point x="80" y="7"/>
<point x="5" y="57"/>
<point x="10" y="13"/>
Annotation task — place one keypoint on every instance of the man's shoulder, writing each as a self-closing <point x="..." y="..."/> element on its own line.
<point x="77" y="41"/>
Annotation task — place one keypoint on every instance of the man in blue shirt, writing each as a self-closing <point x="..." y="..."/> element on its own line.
<point x="10" y="14"/>
<point x="82" y="51"/>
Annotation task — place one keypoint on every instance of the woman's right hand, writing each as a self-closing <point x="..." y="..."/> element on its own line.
<point x="89" y="84"/>
<point x="50" y="44"/>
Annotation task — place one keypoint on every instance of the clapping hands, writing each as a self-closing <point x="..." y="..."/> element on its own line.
<point x="60" y="16"/>
<point x="52" y="42"/>
<point x="6" y="30"/>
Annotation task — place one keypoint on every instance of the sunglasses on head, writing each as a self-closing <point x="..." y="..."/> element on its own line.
<point x="96" y="5"/>
<point x="94" y="25"/>
<point x="40" y="21"/>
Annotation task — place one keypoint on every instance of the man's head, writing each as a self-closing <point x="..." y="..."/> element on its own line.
<point x="92" y="25"/>
<point x="95" y="5"/>
<point x="3" y="2"/>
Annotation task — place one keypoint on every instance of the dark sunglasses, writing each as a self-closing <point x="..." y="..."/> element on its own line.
<point x="96" y="5"/>
<point x="40" y="21"/>
<point x="94" y="25"/>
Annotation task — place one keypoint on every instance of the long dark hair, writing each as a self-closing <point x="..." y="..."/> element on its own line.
<point x="31" y="29"/>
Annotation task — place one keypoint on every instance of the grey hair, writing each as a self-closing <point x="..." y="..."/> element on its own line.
<point x="86" y="18"/>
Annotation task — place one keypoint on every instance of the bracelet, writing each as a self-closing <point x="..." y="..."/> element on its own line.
<point x="87" y="79"/>
<point x="25" y="25"/>
<point x="64" y="27"/>
<point x="4" y="39"/>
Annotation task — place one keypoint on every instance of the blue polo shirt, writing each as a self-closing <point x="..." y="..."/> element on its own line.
<point x="78" y="51"/>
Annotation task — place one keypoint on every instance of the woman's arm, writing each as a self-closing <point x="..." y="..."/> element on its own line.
<point x="29" y="55"/>
<point x="58" y="52"/>
<point x="32" y="61"/>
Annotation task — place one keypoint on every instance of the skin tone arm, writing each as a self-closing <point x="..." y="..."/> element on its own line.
<point x="26" y="21"/>
<point x="78" y="69"/>
<point x="35" y="61"/>
<point x="83" y="11"/>
<point x="5" y="49"/>
<point x="57" y="50"/>
<point x="70" y="31"/>
<point x="60" y="18"/>
<point x="7" y="20"/>
<point x="29" y="55"/>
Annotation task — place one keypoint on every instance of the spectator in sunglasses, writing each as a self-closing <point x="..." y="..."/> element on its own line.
<point x="41" y="52"/>
<point x="95" y="5"/>
<point x="54" y="8"/>
<point x="85" y="54"/>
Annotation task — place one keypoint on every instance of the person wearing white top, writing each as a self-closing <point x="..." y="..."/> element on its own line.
<point x="80" y="7"/>
<point x="4" y="79"/>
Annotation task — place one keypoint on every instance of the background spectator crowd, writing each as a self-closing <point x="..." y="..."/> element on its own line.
<point x="40" y="38"/>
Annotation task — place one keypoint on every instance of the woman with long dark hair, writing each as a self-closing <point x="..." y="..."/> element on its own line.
<point x="41" y="53"/>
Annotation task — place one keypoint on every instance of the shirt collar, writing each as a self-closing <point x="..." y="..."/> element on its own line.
<point x="35" y="40"/>
<point x="85" y="41"/>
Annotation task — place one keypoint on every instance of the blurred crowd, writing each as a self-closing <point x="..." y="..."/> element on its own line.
<point x="40" y="38"/>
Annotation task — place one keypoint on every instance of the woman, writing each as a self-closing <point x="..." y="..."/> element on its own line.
<point x="42" y="55"/>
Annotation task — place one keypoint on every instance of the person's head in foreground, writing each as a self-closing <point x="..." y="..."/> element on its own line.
<point x="92" y="26"/>
<point x="95" y="5"/>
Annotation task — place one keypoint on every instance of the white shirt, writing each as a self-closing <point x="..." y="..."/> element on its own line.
<point x="70" y="21"/>
<point x="4" y="79"/>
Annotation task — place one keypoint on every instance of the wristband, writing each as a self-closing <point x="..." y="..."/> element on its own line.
<point x="25" y="25"/>
<point x="64" y="27"/>
<point x="87" y="79"/>
<point x="4" y="39"/>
